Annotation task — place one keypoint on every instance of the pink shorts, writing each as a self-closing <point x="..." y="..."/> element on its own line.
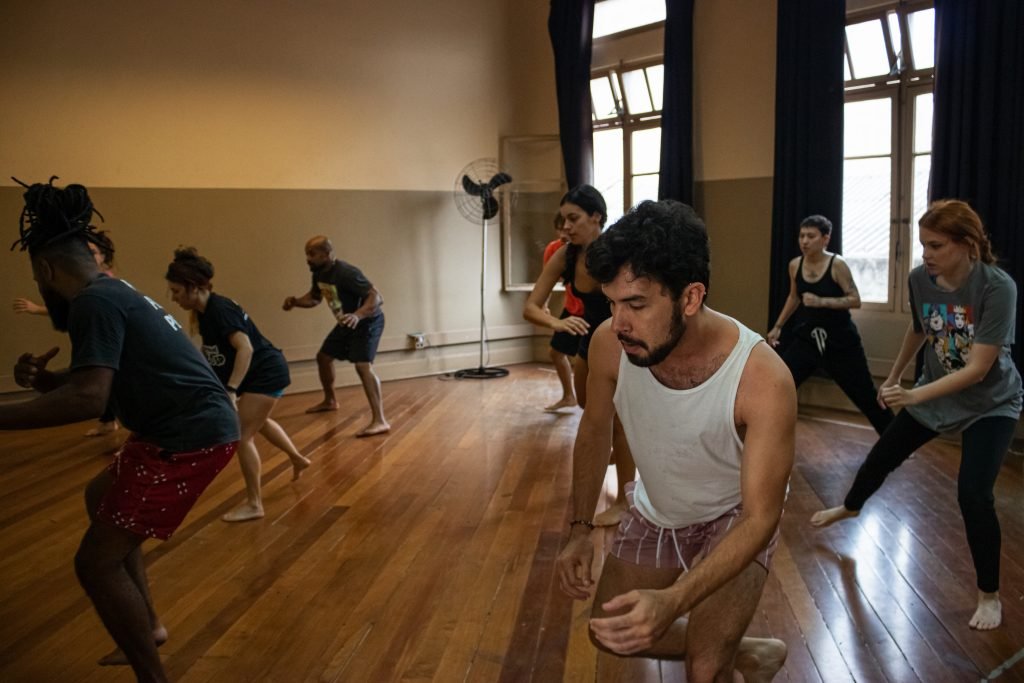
<point x="154" y="489"/>
<point x="640" y="541"/>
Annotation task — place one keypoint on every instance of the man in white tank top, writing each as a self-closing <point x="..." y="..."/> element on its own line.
<point x="709" y="414"/>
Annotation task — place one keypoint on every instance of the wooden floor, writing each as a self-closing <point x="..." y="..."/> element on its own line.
<point x="427" y="555"/>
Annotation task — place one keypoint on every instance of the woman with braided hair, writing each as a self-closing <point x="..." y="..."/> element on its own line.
<point x="127" y="350"/>
<point x="254" y="373"/>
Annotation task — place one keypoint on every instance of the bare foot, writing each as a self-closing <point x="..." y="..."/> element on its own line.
<point x="244" y="513"/>
<point x="611" y="516"/>
<point x="373" y="429"/>
<point x="117" y="658"/>
<point x="565" y="402"/>
<point x="829" y="517"/>
<point x="323" y="407"/>
<point x="298" y="464"/>
<point x="759" y="659"/>
<point x="102" y="429"/>
<point x="989" y="614"/>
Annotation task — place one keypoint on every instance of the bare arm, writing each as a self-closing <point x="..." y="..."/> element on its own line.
<point x="535" y="309"/>
<point x="304" y="301"/>
<point x="82" y="396"/>
<point x="243" y="357"/>
<point x="844" y="278"/>
<point x="983" y="356"/>
<point x="23" y="305"/>
<point x="912" y="341"/>
<point x="792" y="303"/>
<point x="766" y="406"/>
<point x="590" y="461"/>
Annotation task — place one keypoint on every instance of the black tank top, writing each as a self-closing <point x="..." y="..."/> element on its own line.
<point x="825" y="287"/>
<point x="596" y="308"/>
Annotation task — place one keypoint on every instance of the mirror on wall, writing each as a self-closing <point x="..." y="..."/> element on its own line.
<point x="528" y="205"/>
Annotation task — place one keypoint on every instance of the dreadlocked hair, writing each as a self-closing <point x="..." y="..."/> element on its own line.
<point x="53" y="215"/>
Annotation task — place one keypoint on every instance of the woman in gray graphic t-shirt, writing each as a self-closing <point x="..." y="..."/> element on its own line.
<point x="964" y="316"/>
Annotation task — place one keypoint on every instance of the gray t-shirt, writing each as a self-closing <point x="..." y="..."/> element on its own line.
<point x="982" y="311"/>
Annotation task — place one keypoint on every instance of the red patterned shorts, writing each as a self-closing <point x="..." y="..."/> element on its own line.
<point x="640" y="541"/>
<point x="154" y="488"/>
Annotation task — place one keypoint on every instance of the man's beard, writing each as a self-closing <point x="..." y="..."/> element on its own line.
<point x="315" y="269"/>
<point x="659" y="353"/>
<point x="58" y="308"/>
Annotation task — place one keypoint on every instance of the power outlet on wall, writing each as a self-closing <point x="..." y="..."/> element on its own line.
<point x="419" y="340"/>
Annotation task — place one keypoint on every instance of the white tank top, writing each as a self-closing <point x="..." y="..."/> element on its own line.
<point x="684" y="441"/>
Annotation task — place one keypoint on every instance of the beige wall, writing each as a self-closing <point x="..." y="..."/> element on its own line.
<point x="245" y="127"/>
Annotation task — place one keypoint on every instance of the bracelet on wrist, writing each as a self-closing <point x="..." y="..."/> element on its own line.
<point x="584" y="522"/>
<point x="231" y="390"/>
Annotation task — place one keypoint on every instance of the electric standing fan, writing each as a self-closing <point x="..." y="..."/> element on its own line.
<point x="475" y="199"/>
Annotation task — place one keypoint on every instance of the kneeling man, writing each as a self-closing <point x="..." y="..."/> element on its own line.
<point x="709" y="413"/>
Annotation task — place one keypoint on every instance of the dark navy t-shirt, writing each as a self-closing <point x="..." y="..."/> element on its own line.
<point x="268" y="371"/>
<point x="163" y="390"/>
<point x="343" y="286"/>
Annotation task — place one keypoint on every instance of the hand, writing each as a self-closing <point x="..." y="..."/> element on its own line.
<point x="773" y="336"/>
<point x="889" y="382"/>
<point x="349" y="320"/>
<point x="30" y="368"/>
<point x="289" y="303"/>
<point x="572" y="325"/>
<point x="22" y="305"/>
<point x="649" y="614"/>
<point x="234" y="400"/>
<point x="811" y="300"/>
<point x="895" y="396"/>
<point x="573" y="566"/>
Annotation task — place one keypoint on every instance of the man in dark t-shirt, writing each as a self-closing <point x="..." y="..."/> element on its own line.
<point x="125" y="350"/>
<point x="356" y="306"/>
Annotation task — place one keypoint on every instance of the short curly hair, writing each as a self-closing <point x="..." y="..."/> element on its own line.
<point x="665" y="241"/>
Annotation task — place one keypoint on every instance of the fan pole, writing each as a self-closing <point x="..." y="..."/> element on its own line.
<point x="481" y="372"/>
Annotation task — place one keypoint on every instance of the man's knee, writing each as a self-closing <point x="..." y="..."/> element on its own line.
<point x="975" y="501"/>
<point x="365" y="369"/>
<point x="323" y="359"/>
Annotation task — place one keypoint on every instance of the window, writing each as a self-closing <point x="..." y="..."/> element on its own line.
<point x="889" y="66"/>
<point x="615" y="16"/>
<point x="627" y="105"/>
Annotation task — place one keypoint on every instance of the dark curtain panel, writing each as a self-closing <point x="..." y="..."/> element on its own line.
<point x="570" y="25"/>
<point x="978" y="124"/>
<point x="676" y="180"/>
<point x="808" y="130"/>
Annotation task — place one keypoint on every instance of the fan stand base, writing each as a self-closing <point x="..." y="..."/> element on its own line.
<point x="480" y="373"/>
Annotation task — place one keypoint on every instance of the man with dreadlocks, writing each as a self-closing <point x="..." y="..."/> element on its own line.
<point x="124" y="347"/>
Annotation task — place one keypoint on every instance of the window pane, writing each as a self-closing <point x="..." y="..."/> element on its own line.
<point x="923" y="123"/>
<point x="608" y="169"/>
<point x="922" y="38"/>
<point x="604" y="102"/>
<point x="646" y="153"/>
<point x="922" y="169"/>
<point x="638" y="98"/>
<point x="867" y="47"/>
<point x="894" y="32"/>
<point x="612" y="16"/>
<point x="645" y="187"/>
<point x="656" y="80"/>
<point x="867" y="127"/>
<point x="866" y="217"/>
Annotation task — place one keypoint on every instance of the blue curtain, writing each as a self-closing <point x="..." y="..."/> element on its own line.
<point x="570" y="25"/>
<point x="676" y="179"/>
<point x="978" y="124"/>
<point x="808" y="130"/>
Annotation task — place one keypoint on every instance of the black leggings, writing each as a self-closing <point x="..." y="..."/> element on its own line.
<point x="845" y="362"/>
<point x="984" y="445"/>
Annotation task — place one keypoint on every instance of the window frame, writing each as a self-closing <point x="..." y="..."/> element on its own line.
<point x="628" y="122"/>
<point x="903" y="84"/>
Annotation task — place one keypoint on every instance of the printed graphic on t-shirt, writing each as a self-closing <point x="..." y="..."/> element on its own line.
<point x="213" y="355"/>
<point x="330" y="294"/>
<point x="949" y="331"/>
